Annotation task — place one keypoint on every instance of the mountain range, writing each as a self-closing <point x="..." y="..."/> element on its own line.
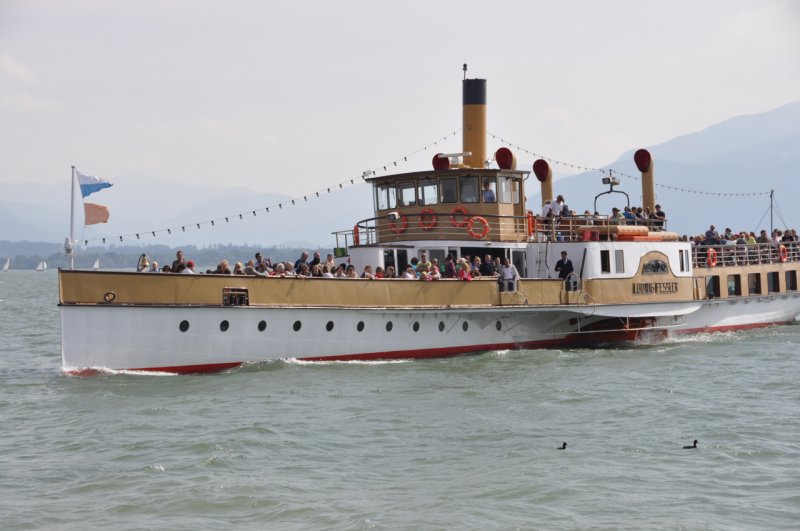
<point x="721" y="175"/>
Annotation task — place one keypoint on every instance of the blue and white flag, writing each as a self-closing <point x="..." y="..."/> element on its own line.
<point x="91" y="184"/>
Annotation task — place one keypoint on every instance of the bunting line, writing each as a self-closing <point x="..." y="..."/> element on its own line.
<point x="609" y="171"/>
<point x="384" y="168"/>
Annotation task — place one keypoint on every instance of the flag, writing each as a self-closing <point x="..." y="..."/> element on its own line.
<point x="95" y="213"/>
<point x="91" y="184"/>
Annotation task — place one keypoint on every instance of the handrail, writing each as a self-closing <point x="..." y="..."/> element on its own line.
<point x="738" y="254"/>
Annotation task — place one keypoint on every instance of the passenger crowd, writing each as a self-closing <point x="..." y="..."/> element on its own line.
<point x="465" y="268"/>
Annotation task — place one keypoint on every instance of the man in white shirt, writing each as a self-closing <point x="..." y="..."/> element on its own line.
<point x="189" y="268"/>
<point x="509" y="276"/>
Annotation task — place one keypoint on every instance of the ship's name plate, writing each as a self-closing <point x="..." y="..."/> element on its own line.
<point x="647" y="288"/>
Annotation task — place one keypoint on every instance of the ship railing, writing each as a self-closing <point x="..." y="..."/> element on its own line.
<point x="738" y="254"/>
<point x="486" y="227"/>
<point x="574" y="228"/>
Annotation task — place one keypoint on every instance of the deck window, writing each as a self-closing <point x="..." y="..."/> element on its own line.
<point x="427" y="192"/>
<point x="448" y="190"/>
<point x="605" y="262"/>
<point x="754" y="283"/>
<point x="791" y="281"/>
<point x="406" y="194"/>
<point x="734" y="285"/>
<point x="773" y="282"/>
<point x="470" y="189"/>
<point x="385" y="197"/>
<point x="619" y="261"/>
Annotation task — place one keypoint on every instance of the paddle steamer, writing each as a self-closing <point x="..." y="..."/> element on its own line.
<point x="629" y="282"/>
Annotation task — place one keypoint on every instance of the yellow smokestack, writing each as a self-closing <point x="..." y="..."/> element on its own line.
<point x="474" y="122"/>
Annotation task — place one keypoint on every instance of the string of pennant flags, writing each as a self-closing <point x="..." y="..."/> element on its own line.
<point x="198" y="225"/>
<point x="385" y="168"/>
<point x="610" y="171"/>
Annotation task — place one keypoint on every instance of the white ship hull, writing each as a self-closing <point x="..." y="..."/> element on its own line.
<point x="150" y="338"/>
<point x="719" y="315"/>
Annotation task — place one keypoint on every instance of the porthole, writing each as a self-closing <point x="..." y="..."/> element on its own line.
<point x="297" y="326"/>
<point x="416" y="326"/>
<point x="360" y="326"/>
<point x="262" y="325"/>
<point x="389" y="326"/>
<point x="184" y="326"/>
<point x="498" y="325"/>
<point x="465" y="326"/>
<point x="441" y="326"/>
<point x="329" y="326"/>
<point x="224" y="325"/>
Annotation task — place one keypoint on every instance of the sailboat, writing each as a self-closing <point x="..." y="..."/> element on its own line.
<point x="42" y="266"/>
<point x="7" y="264"/>
<point x="96" y="265"/>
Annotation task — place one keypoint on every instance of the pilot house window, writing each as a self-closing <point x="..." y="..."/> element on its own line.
<point x="385" y="197"/>
<point x="470" y="189"/>
<point x="406" y="194"/>
<point x="448" y="188"/>
<point x="427" y="192"/>
<point x="507" y="190"/>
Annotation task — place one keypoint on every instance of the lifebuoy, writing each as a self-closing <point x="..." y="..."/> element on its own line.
<point x="356" y="239"/>
<point x="462" y="211"/>
<point x="711" y="258"/>
<point x="531" y="224"/>
<point x="783" y="253"/>
<point x="399" y="226"/>
<point x="471" y="227"/>
<point x="428" y="225"/>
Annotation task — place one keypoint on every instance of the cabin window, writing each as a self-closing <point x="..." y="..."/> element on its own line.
<point x="448" y="190"/>
<point x="754" y="283"/>
<point x="655" y="267"/>
<point x="402" y="261"/>
<point x="235" y="297"/>
<point x="773" y="282"/>
<point x="489" y="190"/>
<point x="388" y="259"/>
<point x="427" y="192"/>
<point x="507" y="190"/>
<point x="406" y="194"/>
<point x="605" y="262"/>
<point x="734" y="285"/>
<point x="791" y="281"/>
<point x="619" y="261"/>
<point x="385" y="197"/>
<point x="683" y="260"/>
<point x="470" y="189"/>
<point x="712" y="286"/>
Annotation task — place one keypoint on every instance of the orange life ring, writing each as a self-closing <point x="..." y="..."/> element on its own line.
<point x="471" y="226"/>
<point x="459" y="210"/>
<point x="356" y="238"/>
<point x="711" y="258"/>
<point x="428" y="225"/>
<point x="531" y="224"/>
<point x="400" y="226"/>
<point x="783" y="253"/>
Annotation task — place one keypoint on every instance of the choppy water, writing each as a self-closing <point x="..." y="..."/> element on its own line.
<point x="466" y="442"/>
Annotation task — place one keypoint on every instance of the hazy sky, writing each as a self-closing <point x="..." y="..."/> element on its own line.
<point x="290" y="97"/>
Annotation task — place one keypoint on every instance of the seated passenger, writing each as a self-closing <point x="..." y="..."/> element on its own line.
<point x="238" y="269"/>
<point x="409" y="274"/>
<point x="350" y="272"/>
<point x="326" y="271"/>
<point x="389" y="273"/>
<point x="154" y="267"/>
<point x="250" y="270"/>
<point x="423" y="272"/>
<point x="379" y="272"/>
<point x="367" y="273"/>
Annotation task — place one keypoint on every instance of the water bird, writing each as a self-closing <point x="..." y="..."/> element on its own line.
<point x="694" y="445"/>
<point x="562" y="447"/>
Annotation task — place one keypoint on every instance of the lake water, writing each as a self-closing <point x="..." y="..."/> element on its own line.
<point x="466" y="442"/>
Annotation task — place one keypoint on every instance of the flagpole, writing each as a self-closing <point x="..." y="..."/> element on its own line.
<point x="69" y="243"/>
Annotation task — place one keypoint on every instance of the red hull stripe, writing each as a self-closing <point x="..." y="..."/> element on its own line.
<point x="180" y="369"/>
<point x="730" y="328"/>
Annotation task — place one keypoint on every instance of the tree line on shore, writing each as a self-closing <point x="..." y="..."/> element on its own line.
<point x="27" y="255"/>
